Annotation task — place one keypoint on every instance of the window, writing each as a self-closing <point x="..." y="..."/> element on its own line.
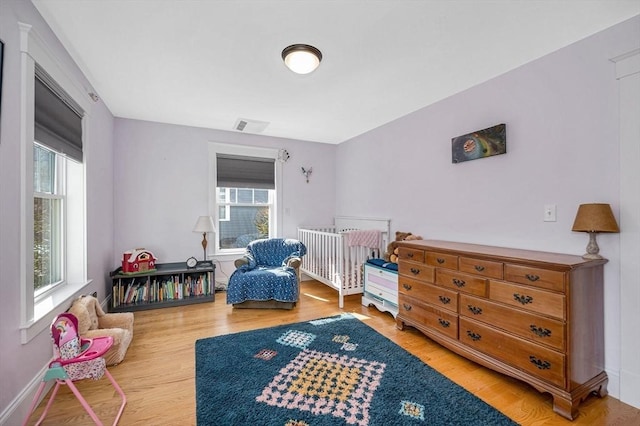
<point x="245" y="195"/>
<point x="52" y="231"/>
<point x="57" y="173"/>
<point x="245" y="216"/>
<point x="48" y="201"/>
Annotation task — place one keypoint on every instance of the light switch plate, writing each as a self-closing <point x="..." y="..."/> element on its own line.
<point x="549" y="212"/>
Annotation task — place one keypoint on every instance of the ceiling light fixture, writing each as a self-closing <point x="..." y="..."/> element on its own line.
<point x="301" y="58"/>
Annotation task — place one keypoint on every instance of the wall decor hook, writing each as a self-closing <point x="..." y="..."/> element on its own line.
<point x="307" y="173"/>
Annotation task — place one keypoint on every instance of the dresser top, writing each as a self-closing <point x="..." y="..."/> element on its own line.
<point x="502" y="253"/>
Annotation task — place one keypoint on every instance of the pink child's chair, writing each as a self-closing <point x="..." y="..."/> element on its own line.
<point x="75" y="359"/>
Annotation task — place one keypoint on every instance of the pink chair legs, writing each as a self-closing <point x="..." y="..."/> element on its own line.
<point x="59" y="375"/>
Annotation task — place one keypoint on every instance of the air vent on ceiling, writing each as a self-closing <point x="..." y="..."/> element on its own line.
<point x="250" y="126"/>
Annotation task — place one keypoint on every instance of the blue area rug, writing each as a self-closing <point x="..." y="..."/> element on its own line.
<point x="332" y="371"/>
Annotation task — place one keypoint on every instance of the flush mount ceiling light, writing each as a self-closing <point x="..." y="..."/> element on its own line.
<point x="301" y="58"/>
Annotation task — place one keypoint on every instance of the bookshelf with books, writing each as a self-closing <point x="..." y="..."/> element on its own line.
<point x="170" y="284"/>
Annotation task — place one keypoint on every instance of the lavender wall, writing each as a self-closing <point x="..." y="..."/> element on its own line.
<point x="146" y="182"/>
<point x="561" y="113"/>
<point x="20" y="363"/>
<point x="161" y="185"/>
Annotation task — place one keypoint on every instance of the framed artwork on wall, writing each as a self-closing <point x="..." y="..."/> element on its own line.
<point x="479" y="144"/>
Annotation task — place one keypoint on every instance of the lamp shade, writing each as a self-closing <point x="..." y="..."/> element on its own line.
<point x="204" y="224"/>
<point x="595" y="217"/>
<point x="301" y="58"/>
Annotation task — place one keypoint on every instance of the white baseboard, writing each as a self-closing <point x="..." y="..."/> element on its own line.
<point x="613" y="388"/>
<point x="630" y="388"/>
<point x="15" y="413"/>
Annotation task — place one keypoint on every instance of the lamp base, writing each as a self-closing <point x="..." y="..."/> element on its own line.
<point x="592" y="248"/>
<point x="591" y="256"/>
<point x="204" y="246"/>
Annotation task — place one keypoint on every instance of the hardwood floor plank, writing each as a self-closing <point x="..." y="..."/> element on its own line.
<point x="158" y="373"/>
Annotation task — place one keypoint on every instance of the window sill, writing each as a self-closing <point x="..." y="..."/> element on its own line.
<point x="228" y="256"/>
<point x="46" y="309"/>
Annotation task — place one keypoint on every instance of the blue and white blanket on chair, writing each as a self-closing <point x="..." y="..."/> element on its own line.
<point x="266" y="276"/>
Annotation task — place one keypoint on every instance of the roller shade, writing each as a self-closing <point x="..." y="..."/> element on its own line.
<point x="58" y="119"/>
<point x="245" y="172"/>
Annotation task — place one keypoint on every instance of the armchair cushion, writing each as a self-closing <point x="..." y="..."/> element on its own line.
<point x="268" y="271"/>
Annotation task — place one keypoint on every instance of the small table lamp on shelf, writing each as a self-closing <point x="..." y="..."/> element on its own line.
<point x="204" y="224"/>
<point x="594" y="218"/>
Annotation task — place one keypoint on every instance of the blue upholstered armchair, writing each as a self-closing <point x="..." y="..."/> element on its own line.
<point x="268" y="275"/>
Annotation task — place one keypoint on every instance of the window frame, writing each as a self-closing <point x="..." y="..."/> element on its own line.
<point x="275" y="224"/>
<point x="36" y="315"/>
<point x="58" y="192"/>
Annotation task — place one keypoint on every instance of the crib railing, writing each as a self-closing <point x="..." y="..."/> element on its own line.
<point x="331" y="261"/>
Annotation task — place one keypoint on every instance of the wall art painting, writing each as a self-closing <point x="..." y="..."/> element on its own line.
<point x="479" y="144"/>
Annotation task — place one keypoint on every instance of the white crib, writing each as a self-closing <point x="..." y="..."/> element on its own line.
<point x="329" y="258"/>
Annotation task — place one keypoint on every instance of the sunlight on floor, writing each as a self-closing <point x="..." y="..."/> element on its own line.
<point x="360" y="316"/>
<point x="322" y="299"/>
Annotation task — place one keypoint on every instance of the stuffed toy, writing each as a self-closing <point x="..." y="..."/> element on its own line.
<point x="391" y="255"/>
<point x="94" y="322"/>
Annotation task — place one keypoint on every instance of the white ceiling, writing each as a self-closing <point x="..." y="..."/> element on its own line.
<point x="207" y="63"/>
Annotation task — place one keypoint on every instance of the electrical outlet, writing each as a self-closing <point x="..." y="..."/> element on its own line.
<point x="549" y="212"/>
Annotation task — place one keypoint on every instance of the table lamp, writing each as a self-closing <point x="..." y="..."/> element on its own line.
<point x="204" y="224"/>
<point x="594" y="218"/>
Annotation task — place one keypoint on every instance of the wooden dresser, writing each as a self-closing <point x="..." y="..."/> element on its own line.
<point x="532" y="315"/>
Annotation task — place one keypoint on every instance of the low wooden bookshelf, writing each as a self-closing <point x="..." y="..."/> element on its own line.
<point x="170" y="284"/>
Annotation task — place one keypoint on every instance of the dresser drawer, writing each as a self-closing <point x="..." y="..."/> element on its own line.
<point x="537" y="360"/>
<point x="381" y="277"/>
<point x="461" y="282"/>
<point x="441" y="260"/>
<point x="542" y="278"/>
<point x="442" y="321"/>
<point x="419" y="271"/>
<point x="529" y="298"/>
<point x="431" y="294"/>
<point x="414" y="255"/>
<point x="527" y="325"/>
<point x="381" y="293"/>
<point x="486" y="268"/>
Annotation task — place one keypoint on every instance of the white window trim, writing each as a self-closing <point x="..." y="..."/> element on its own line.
<point x="247" y="151"/>
<point x="37" y="317"/>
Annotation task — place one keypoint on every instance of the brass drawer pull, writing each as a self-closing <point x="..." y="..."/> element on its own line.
<point x="410" y="255"/>
<point x="444" y="323"/>
<point x="458" y="282"/>
<point x="407" y="286"/>
<point x="474" y="336"/>
<point x="522" y="299"/>
<point x="445" y="300"/>
<point x="406" y="307"/>
<point x="542" y="365"/>
<point x="532" y="277"/>
<point x="474" y="310"/>
<point x="415" y="271"/>
<point x="539" y="331"/>
<point x="440" y="260"/>
<point x="479" y="268"/>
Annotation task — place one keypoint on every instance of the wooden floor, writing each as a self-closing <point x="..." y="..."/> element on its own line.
<point x="158" y="372"/>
